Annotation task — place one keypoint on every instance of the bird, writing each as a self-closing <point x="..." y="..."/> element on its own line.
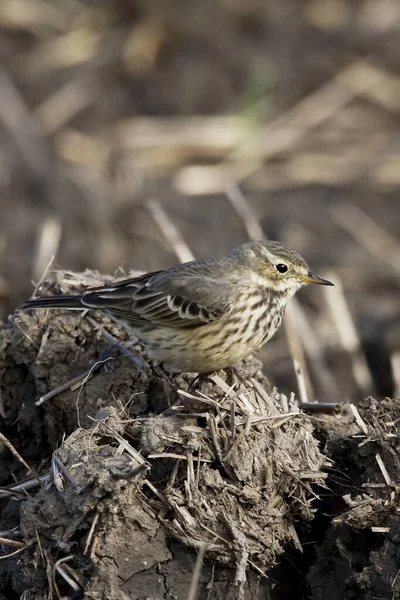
<point x="204" y="315"/>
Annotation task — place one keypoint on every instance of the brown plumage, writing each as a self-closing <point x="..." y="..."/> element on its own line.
<point x="204" y="315"/>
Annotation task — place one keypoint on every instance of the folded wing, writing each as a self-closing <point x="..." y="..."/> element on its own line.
<point x="186" y="296"/>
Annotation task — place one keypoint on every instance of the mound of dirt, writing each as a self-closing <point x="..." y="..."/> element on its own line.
<point x="121" y="482"/>
<point x="140" y="459"/>
<point x="359" y="557"/>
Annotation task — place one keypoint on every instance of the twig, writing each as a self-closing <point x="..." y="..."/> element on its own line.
<point x="64" y="386"/>
<point x="24" y="486"/>
<point x="91" y="532"/>
<point x="295" y="538"/>
<point x="14" y="543"/>
<point x="71" y="582"/>
<point x="155" y="491"/>
<point x="13" y="553"/>
<point x="57" y="568"/>
<point x="39" y="544"/>
<point x="76" y="381"/>
<point x="17" y="455"/>
<point x="201" y="398"/>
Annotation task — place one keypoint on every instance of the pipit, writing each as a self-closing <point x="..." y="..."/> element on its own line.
<point x="203" y="315"/>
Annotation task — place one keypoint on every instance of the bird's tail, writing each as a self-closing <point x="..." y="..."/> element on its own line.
<point x="72" y="302"/>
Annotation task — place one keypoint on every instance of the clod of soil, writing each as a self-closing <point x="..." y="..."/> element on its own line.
<point x="359" y="557"/>
<point x="144" y="467"/>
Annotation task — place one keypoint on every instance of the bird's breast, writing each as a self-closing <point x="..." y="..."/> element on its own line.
<point x="219" y="344"/>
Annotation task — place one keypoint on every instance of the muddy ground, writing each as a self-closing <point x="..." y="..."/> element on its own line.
<point x="96" y="112"/>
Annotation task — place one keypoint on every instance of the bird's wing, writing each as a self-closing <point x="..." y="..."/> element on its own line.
<point x="185" y="296"/>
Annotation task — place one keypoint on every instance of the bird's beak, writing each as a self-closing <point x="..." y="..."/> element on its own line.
<point x="312" y="278"/>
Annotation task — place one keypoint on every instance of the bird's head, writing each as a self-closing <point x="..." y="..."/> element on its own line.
<point x="278" y="267"/>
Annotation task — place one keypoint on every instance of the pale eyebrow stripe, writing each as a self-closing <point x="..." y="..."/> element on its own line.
<point x="271" y="256"/>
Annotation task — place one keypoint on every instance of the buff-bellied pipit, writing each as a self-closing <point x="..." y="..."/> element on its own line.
<point x="203" y="315"/>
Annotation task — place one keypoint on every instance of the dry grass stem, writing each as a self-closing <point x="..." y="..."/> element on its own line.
<point x="14" y="543"/>
<point x="91" y="533"/>
<point x="197" y="571"/>
<point x="313" y="347"/>
<point x="58" y="568"/>
<point x="21" y="488"/>
<point x="242" y="207"/>
<point x="284" y="134"/>
<point x="47" y="247"/>
<point x="383" y="469"/>
<point x="65" y="471"/>
<point x="13" y="553"/>
<point x="177" y="456"/>
<point x="22" y="126"/>
<point x="371" y="236"/>
<point x="301" y="383"/>
<point x="215" y="134"/>
<point x="169" y="231"/>
<point x="348" y="335"/>
<point x="13" y="450"/>
<point x="61" y="107"/>
<point x="297" y="329"/>
<point x="296" y="350"/>
<point x="395" y="366"/>
<point x="239" y="398"/>
<point x="358" y="419"/>
<point x="71" y="384"/>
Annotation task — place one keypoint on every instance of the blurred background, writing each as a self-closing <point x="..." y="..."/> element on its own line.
<point x="134" y="133"/>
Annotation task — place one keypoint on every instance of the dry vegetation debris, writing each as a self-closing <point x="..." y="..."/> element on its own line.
<point x="224" y="466"/>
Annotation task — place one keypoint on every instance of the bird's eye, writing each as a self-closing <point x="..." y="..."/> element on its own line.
<point x="281" y="268"/>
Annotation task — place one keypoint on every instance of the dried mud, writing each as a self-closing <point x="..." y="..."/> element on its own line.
<point x="142" y="477"/>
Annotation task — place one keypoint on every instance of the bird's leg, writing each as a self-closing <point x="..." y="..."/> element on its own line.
<point x="235" y="373"/>
<point x="198" y="381"/>
<point x="231" y="375"/>
<point x="161" y="373"/>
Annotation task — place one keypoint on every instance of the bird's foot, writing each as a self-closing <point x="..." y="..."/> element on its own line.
<point x="235" y="374"/>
